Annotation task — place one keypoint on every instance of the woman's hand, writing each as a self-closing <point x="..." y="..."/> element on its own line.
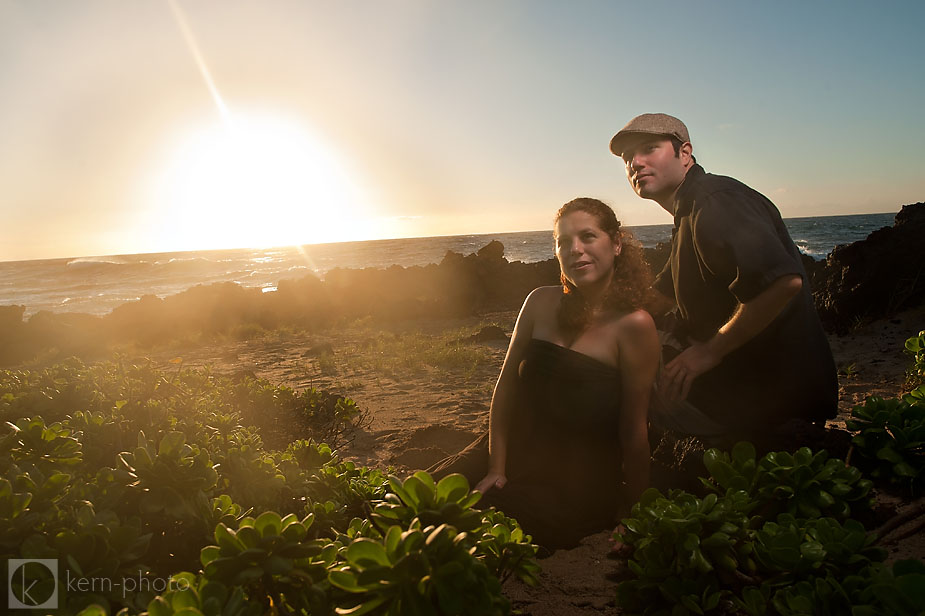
<point x="491" y="480"/>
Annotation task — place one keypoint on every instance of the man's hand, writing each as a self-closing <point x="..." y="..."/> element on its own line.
<point x="491" y="480"/>
<point x="618" y="548"/>
<point x="747" y="322"/>
<point x="679" y="374"/>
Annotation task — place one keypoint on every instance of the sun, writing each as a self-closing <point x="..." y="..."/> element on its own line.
<point x="254" y="180"/>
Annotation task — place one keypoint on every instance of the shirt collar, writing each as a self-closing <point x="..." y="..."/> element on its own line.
<point x="683" y="200"/>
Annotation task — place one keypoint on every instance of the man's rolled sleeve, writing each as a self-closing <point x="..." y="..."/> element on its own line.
<point x="739" y="246"/>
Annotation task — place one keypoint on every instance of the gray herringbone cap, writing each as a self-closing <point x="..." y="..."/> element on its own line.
<point x="645" y="125"/>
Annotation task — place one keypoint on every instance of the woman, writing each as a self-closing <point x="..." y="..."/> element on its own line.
<point x="568" y="415"/>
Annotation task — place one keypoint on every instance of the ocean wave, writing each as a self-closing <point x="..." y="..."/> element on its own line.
<point x="174" y="261"/>
<point x="103" y="261"/>
<point x="804" y="246"/>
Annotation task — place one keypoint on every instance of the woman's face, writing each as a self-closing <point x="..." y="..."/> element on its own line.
<point x="585" y="252"/>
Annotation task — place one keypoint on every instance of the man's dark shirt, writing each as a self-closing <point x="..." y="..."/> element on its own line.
<point x="729" y="244"/>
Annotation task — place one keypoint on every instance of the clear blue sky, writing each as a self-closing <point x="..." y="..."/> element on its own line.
<point x="408" y="118"/>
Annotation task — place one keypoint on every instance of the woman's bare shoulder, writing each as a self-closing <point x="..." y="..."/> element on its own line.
<point x="636" y="325"/>
<point x="544" y="296"/>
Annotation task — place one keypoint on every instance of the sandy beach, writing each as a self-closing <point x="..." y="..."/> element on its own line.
<point x="419" y="413"/>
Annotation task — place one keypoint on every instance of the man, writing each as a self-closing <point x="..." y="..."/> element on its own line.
<point x="754" y="352"/>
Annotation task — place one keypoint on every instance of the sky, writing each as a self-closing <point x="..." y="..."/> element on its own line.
<point x="162" y="125"/>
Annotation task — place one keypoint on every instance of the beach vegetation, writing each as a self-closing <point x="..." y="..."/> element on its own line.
<point x="247" y="331"/>
<point x="415" y="352"/>
<point x="890" y="439"/>
<point x="326" y="364"/>
<point x="803" y="483"/>
<point x="915" y="346"/>
<point x="131" y="472"/>
<point x="747" y="547"/>
<point x="848" y="370"/>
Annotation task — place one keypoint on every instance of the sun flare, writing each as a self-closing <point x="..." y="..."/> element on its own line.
<point x="255" y="180"/>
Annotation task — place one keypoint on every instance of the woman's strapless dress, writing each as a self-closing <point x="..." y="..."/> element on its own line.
<point x="564" y="465"/>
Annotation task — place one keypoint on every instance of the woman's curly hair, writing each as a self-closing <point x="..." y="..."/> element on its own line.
<point x="631" y="286"/>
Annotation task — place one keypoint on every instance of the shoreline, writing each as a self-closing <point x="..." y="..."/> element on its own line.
<point x="96" y="285"/>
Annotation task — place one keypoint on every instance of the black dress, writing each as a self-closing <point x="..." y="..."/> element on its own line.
<point x="564" y="464"/>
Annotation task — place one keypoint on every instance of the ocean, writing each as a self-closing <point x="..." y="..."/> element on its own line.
<point x="96" y="285"/>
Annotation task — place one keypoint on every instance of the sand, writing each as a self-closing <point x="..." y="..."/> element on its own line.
<point x="418" y="416"/>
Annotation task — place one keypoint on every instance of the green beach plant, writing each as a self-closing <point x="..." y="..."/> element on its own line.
<point x="891" y="438"/>
<point x="774" y="536"/>
<point x="147" y="473"/>
<point x="915" y="346"/>
<point x="803" y="483"/>
<point x="685" y="551"/>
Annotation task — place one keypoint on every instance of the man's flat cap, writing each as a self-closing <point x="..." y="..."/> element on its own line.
<point x="646" y="125"/>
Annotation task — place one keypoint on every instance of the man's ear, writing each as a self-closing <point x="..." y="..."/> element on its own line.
<point x="685" y="152"/>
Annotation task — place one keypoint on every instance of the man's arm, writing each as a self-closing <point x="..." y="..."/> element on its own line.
<point x="749" y="319"/>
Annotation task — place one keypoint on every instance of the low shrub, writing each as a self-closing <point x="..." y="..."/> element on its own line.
<point x="803" y="483"/>
<point x="140" y="473"/>
<point x="891" y="438"/>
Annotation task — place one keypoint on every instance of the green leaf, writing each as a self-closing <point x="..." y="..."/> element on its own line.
<point x="247" y="575"/>
<point x="392" y="540"/>
<point x="277" y="565"/>
<point x="709" y="501"/>
<point x="171" y="443"/>
<point x="690" y="603"/>
<point x="184" y="599"/>
<point x="422" y="496"/>
<point x="427" y="480"/>
<point x="288" y="521"/>
<point x="159" y="607"/>
<point x="452" y="488"/>
<point x="366" y="552"/>
<point x="743" y="451"/>
<point x="399" y="489"/>
<point x="824" y="499"/>
<point x="226" y="539"/>
<point x="268" y="524"/>
<point x="813" y="551"/>
<point x="889" y="454"/>
<point x="363" y="608"/>
<point x="345" y="580"/>
<point x="208" y="554"/>
<point x="470" y="500"/>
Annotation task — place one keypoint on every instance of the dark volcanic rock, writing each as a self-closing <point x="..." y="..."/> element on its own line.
<point x="657" y="257"/>
<point x="875" y="277"/>
<point x="488" y="334"/>
<point x="813" y="267"/>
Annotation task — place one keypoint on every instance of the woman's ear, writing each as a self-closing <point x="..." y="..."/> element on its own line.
<point x="617" y="248"/>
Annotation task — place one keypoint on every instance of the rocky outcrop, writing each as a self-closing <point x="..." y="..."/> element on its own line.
<point x="875" y="277"/>
<point x="458" y="285"/>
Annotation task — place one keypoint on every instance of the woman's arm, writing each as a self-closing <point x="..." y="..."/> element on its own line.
<point x="639" y="353"/>
<point x="502" y="400"/>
